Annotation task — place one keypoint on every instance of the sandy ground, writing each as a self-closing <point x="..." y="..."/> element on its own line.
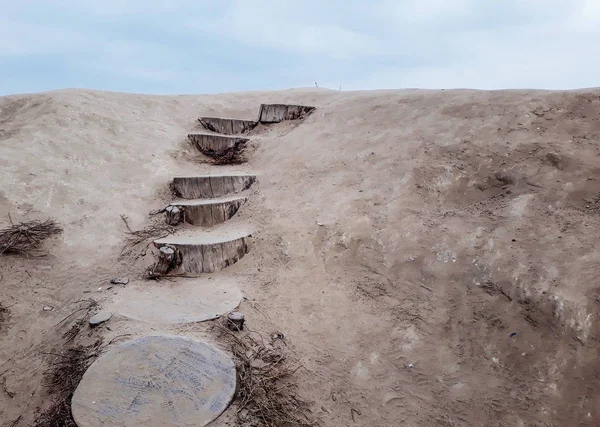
<point x="401" y="238"/>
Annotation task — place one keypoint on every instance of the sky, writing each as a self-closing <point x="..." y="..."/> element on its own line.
<point x="202" y="46"/>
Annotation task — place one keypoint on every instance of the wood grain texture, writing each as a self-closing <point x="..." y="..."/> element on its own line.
<point x="155" y="381"/>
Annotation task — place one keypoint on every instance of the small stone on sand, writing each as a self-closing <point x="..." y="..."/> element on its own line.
<point x="100" y="318"/>
<point x="119" y="281"/>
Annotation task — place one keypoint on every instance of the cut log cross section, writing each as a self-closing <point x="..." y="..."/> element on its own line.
<point x="208" y="212"/>
<point x="216" y="145"/>
<point x="227" y="126"/>
<point x="204" y="253"/>
<point x="275" y="113"/>
<point x="268" y="113"/>
<point x="211" y="186"/>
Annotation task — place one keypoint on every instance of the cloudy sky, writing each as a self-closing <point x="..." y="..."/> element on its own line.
<point x="204" y="46"/>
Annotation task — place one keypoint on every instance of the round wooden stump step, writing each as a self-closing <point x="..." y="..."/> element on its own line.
<point x="208" y="212"/>
<point x="227" y="126"/>
<point x="275" y="113"/>
<point x="211" y="186"/>
<point x="208" y="143"/>
<point x="155" y="381"/>
<point x="175" y="302"/>
<point x="204" y="252"/>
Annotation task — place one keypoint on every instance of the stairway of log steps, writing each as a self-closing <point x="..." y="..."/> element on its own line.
<point x="160" y="380"/>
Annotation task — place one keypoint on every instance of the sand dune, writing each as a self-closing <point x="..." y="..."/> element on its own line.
<point x="401" y="238"/>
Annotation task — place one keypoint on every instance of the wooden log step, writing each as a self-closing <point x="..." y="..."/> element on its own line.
<point x="185" y="301"/>
<point x="153" y="381"/>
<point x="275" y="113"/>
<point x="206" y="252"/>
<point x="211" y="144"/>
<point x="208" y="212"/>
<point x="227" y="126"/>
<point x="211" y="186"/>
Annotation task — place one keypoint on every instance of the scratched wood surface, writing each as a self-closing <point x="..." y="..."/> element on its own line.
<point x="155" y="381"/>
<point x="184" y="301"/>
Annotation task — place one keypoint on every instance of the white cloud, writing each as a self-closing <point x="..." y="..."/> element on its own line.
<point x="555" y="55"/>
<point x="19" y="38"/>
<point x="424" y="11"/>
<point x="377" y="44"/>
<point x="280" y="26"/>
<point x="110" y="8"/>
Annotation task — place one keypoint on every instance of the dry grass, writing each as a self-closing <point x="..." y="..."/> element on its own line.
<point x="62" y="379"/>
<point x="58" y="415"/>
<point x="68" y="366"/>
<point x="71" y="333"/>
<point x="266" y="394"/>
<point x="26" y="237"/>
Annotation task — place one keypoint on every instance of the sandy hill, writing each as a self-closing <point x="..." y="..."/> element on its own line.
<point x="402" y="239"/>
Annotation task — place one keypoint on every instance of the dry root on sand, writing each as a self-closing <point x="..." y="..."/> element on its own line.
<point x="62" y="379"/>
<point x="25" y="237"/>
<point x="68" y="367"/>
<point x="266" y="394"/>
<point x="157" y="230"/>
<point x="235" y="155"/>
<point x="231" y="156"/>
<point x="4" y="314"/>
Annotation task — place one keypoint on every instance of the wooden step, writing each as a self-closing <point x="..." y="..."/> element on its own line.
<point x="227" y="126"/>
<point x="183" y="301"/>
<point x="209" y="212"/>
<point x="211" y="144"/>
<point x="275" y="113"/>
<point x="211" y="186"/>
<point x="205" y="252"/>
<point x="155" y="381"/>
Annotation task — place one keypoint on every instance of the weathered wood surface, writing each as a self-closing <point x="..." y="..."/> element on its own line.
<point x="206" y="257"/>
<point x="173" y="215"/>
<point x="211" y="186"/>
<point x="195" y="300"/>
<point x="166" y="260"/>
<point x="275" y="113"/>
<point x="155" y="381"/>
<point x="235" y="321"/>
<point x="227" y="126"/>
<point x="208" y="213"/>
<point x="211" y="145"/>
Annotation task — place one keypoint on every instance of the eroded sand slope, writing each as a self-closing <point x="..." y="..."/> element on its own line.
<point x="402" y="236"/>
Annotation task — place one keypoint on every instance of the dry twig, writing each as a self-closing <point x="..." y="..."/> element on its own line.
<point x="157" y="230"/>
<point x="90" y="304"/>
<point x="74" y="330"/>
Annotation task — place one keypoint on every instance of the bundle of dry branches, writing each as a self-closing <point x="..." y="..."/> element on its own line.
<point x="25" y="237"/>
<point x="266" y="393"/>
